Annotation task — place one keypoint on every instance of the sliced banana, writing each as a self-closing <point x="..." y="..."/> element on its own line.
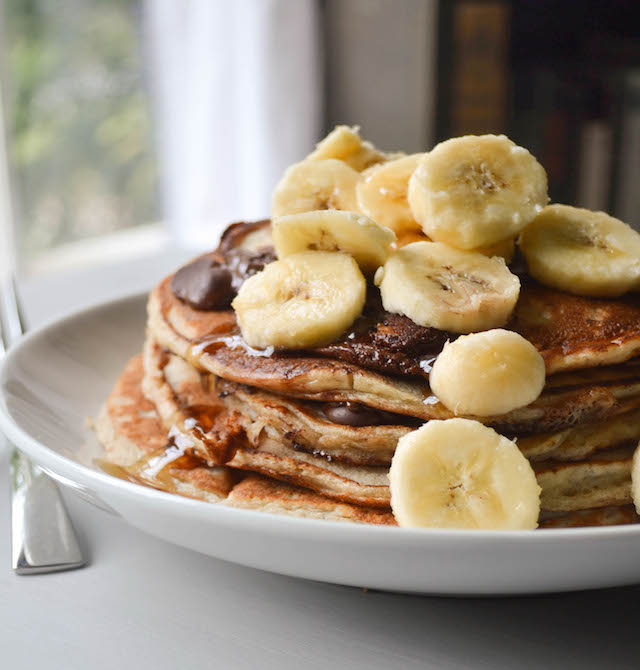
<point x="474" y="191"/>
<point x="460" y="474"/>
<point x="382" y="193"/>
<point x="408" y="237"/>
<point x="487" y="374"/>
<point x="257" y="239"/>
<point x="355" y="234"/>
<point x="304" y="300"/>
<point x="504" y="249"/>
<point x="317" y="184"/>
<point x="583" y="252"/>
<point x="344" y="143"/>
<point x="438" y="286"/>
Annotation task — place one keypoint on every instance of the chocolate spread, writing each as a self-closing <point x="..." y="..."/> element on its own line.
<point x="390" y="343"/>
<point x="212" y="281"/>
<point x="355" y="414"/>
<point x="205" y="283"/>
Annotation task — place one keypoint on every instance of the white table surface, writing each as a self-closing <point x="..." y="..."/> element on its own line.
<point x="143" y="603"/>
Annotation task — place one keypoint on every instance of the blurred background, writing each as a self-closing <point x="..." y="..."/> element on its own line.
<point x="133" y="124"/>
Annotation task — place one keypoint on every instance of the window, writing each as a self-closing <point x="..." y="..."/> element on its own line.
<point x="79" y="135"/>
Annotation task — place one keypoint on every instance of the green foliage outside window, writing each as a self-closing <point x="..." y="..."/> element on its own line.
<point x="79" y="130"/>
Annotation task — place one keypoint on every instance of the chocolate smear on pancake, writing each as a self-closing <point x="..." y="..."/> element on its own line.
<point x="389" y="343"/>
<point x="212" y="281"/>
<point x="356" y="414"/>
<point x="205" y="284"/>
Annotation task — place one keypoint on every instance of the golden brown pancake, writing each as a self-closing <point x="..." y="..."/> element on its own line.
<point x="602" y="479"/>
<point x="136" y="442"/>
<point x="323" y="379"/>
<point x="603" y="516"/>
<point x="580" y="442"/>
<point x="131" y="431"/>
<point x="302" y="423"/>
<point x="133" y="437"/>
<point x="575" y="332"/>
<point x="307" y="429"/>
<point x="269" y="495"/>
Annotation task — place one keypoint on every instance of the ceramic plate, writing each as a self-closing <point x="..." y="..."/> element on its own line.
<point x="60" y="374"/>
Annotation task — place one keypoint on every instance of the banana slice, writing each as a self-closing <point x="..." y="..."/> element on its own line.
<point x="583" y="252"/>
<point x="474" y="191"/>
<point x="304" y="300"/>
<point x="369" y="243"/>
<point x="258" y="239"/>
<point x="487" y="374"/>
<point x="408" y="237"/>
<point x="382" y="193"/>
<point x="344" y="143"/>
<point x="317" y="184"/>
<point x="436" y="285"/>
<point x="504" y="249"/>
<point x="460" y="474"/>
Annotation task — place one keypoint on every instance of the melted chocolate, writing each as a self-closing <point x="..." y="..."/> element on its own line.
<point x="211" y="282"/>
<point x="204" y="284"/>
<point x="355" y="414"/>
<point x="242" y="264"/>
<point x="390" y="343"/>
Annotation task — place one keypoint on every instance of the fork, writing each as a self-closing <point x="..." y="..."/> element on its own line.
<point x="42" y="536"/>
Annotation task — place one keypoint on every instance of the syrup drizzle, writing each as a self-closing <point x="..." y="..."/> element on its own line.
<point x="156" y="469"/>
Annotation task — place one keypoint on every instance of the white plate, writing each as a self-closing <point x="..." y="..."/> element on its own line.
<point x="60" y="374"/>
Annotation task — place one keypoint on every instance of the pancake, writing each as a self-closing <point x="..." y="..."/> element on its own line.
<point x="304" y="425"/>
<point x="599" y="481"/>
<point x="268" y="495"/>
<point x="136" y="443"/>
<point x="604" y="516"/>
<point x="187" y="400"/>
<point x="177" y="388"/>
<point x="602" y="479"/>
<point x="133" y="436"/>
<point x="210" y="342"/>
<point x="566" y="487"/>
<point x="580" y="442"/>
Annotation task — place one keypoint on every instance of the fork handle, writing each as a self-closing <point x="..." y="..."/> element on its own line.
<point x="42" y="535"/>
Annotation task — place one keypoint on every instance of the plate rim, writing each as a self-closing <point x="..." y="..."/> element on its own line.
<point x="315" y="528"/>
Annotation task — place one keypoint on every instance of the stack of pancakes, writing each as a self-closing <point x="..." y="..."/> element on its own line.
<point x="312" y="433"/>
